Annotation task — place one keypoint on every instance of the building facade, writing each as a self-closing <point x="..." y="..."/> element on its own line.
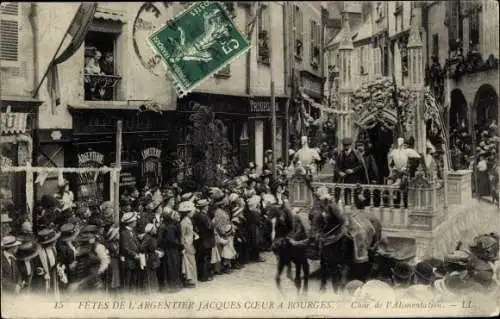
<point x="463" y="42"/>
<point x="18" y="104"/>
<point x="79" y="129"/>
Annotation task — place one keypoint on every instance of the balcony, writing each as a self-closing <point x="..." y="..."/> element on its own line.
<point x="100" y="87"/>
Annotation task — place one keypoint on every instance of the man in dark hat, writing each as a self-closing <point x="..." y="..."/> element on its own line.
<point x="46" y="278"/>
<point x="204" y="228"/>
<point x="129" y="252"/>
<point x="25" y="255"/>
<point x="423" y="274"/>
<point x="369" y="162"/>
<point x="268" y="160"/>
<point x="10" y="272"/>
<point x="350" y="168"/>
<point x="401" y="275"/>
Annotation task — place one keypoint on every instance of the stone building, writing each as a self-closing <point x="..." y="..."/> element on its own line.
<point x="78" y="128"/>
<point x="18" y="104"/>
<point x="463" y="43"/>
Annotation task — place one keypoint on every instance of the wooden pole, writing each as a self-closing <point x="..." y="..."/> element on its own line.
<point x="118" y="164"/>
<point x="273" y="110"/>
<point x="287" y="132"/>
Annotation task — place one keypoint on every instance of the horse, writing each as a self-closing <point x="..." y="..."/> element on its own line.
<point x="336" y="244"/>
<point x="289" y="250"/>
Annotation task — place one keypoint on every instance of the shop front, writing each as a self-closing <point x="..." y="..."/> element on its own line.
<point x="248" y="122"/>
<point x="17" y="122"/>
<point x="147" y="139"/>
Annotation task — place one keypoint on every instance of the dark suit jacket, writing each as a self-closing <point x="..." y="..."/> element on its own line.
<point x="203" y="226"/>
<point x="10" y="274"/>
<point x="65" y="254"/>
<point x="350" y="161"/>
<point x="129" y="247"/>
<point x="371" y="166"/>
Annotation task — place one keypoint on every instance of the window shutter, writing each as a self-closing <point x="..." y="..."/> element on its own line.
<point x="9" y="33"/>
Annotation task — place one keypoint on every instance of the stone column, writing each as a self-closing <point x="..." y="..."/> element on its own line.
<point x="416" y="73"/>
<point x="345" y="81"/>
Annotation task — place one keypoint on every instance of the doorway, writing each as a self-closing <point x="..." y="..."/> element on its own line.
<point x="381" y="139"/>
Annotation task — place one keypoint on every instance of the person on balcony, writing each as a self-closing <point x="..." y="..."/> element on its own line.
<point x="107" y="64"/>
<point x="92" y="66"/>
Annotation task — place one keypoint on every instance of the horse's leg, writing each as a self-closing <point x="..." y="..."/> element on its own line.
<point x="324" y="271"/>
<point x="280" y="267"/>
<point x="305" y="267"/>
<point x="297" y="281"/>
<point x="289" y="270"/>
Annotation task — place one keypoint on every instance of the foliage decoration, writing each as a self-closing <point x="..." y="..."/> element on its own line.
<point x="374" y="100"/>
<point x="207" y="136"/>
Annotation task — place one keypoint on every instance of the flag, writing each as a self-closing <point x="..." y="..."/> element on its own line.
<point x="77" y="31"/>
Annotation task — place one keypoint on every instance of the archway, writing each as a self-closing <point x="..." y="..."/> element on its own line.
<point x="485" y="106"/>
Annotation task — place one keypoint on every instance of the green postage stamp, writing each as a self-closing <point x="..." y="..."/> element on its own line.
<point x="198" y="43"/>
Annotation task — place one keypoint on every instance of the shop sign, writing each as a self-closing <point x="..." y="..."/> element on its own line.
<point x="91" y="157"/>
<point x="262" y="106"/>
<point x="151" y="168"/>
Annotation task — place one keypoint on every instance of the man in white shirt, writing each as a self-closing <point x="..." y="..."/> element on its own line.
<point x="306" y="155"/>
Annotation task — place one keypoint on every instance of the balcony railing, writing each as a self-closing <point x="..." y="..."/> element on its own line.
<point x="100" y="87"/>
<point x="418" y="207"/>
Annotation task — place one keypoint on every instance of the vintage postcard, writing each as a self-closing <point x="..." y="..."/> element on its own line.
<point x="245" y="159"/>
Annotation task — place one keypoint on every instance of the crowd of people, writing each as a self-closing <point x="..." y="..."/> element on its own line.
<point x="170" y="238"/>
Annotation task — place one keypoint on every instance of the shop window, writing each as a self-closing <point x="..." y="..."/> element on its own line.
<point x="298" y="33"/>
<point x="315" y="44"/>
<point x="100" y="76"/>
<point x="9" y="34"/>
<point x="264" y="23"/>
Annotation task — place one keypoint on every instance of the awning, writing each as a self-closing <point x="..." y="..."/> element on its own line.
<point x="13" y="123"/>
<point x="107" y="14"/>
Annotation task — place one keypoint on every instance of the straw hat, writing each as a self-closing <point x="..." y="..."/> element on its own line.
<point x="129" y="217"/>
<point x="186" y="196"/>
<point x="202" y="203"/>
<point x="26" y="251"/>
<point x="68" y="231"/>
<point x="10" y="241"/>
<point x="186" y="207"/>
<point x="47" y="236"/>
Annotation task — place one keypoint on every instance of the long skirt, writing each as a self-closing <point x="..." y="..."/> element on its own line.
<point x="189" y="267"/>
<point x="172" y="267"/>
<point x="113" y="275"/>
<point x="483" y="183"/>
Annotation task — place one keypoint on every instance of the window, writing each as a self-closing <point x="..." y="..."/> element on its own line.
<point x="100" y="76"/>
<point x="380" y="11"/>
<point x="435" y="45"/>
<point x="298" y="33"/>
<point x="474" y="28"/>
<point x="315" y="44"/>
<point x="454" y="25"/>
<point x="385" y="61"/>
<point x="264" y="23"/>
<point x="9" y="33"/>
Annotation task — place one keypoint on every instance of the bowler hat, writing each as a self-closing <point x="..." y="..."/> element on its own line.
<point x="10" y="241"/>
<point x="47" y="235"/>
<point x="346" y="141"/>
<point x="424" y="272"/>
<point x="402" y="271"/>
<point x="68" y="231"/>
<point x="26" y="251"/>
